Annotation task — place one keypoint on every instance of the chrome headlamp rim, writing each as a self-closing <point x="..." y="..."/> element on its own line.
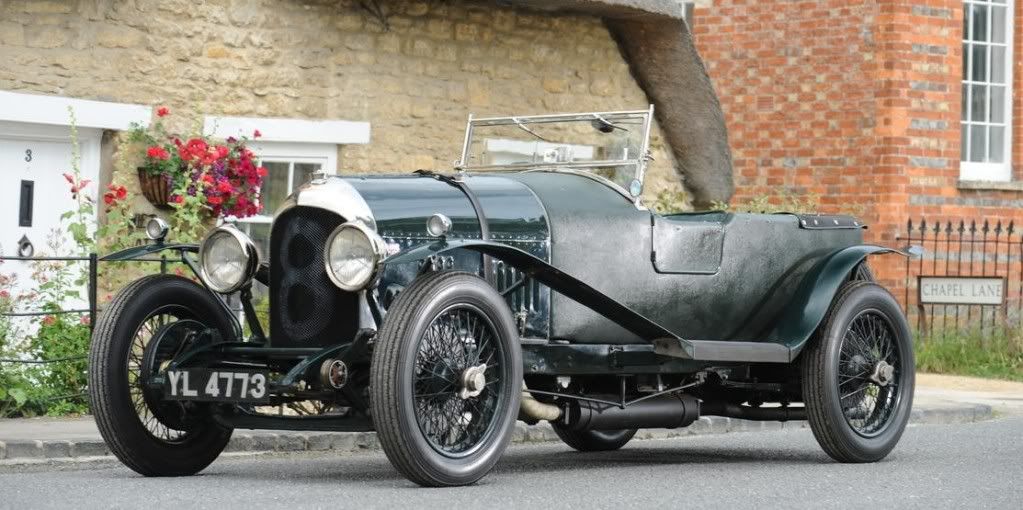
<point x="379" y="250"/>
<point x="247" y="246"/>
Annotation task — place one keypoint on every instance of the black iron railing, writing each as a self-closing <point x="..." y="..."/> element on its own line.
<point x="93" y="260"/>
<point x="953" y="286"/>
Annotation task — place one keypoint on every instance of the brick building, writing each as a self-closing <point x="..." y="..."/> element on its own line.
<point x="894" y="109"/>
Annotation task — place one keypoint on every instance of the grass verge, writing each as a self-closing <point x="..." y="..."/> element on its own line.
<point x="996" y="354"/>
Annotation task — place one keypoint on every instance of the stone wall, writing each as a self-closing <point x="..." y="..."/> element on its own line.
<point x="415" y="79"/>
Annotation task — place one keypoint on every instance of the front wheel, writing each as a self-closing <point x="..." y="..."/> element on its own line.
<point x="446" y="378"/>
<point x="152" y="436"/>
<point x="858" y="375"/>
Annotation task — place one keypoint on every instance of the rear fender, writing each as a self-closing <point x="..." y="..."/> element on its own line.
<point x="812" y="300"/>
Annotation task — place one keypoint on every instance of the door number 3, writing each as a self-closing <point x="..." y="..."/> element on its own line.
<point x="28" y="155"/>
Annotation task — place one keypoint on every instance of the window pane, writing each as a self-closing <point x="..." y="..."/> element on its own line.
<point x="966" y="102"/>
<point x="979" y="22"/>
<point x="998" y="24"/>
<point x="997" y="144"/>
<point x="275" y="186"/>
<point x="978" y="103"/>
<point x="998" y="64"/>
<point x="304" y="172"/>
<point x="966" y="23"/>
<point x="978" y="143"/>
<point x="997" y="108"/>
<point x="978" y="68"/>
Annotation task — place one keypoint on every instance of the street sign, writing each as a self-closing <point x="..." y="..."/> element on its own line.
<point x="961" y="290"/>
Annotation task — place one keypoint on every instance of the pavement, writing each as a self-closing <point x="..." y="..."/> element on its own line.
<point x="938" y="400"/>
<point x="973" y="465"/>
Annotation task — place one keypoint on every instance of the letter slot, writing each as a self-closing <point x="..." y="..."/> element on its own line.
<point x="27" y="199"/>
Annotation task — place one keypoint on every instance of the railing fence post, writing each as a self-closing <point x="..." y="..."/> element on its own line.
<point x="93" y="291"/>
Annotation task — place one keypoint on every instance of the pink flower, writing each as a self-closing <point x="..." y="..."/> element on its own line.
<point x="256" y="134"/>
<point x="84" y="320"/>
<point x="49" y="320"/>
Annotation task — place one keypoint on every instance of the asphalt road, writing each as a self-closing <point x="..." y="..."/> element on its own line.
<point x="937" y="466"/>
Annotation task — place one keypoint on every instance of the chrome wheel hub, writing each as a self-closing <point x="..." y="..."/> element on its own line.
<point x="882" y="374"/>
<point x="473" y="381"/>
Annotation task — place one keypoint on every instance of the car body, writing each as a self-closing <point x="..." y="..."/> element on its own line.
<point x="557" y="281"/>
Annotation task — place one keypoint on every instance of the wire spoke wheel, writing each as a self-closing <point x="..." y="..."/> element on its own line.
<point x="457" y="383"/>
<point x="446" y="379"/>
<point x="139" y="370"/>
<point x="857" y="374"/>
<point x="147" y="324"/>
<point x="868" y="373"/>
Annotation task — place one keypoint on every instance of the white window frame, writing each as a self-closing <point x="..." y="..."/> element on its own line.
<point x="997" y="172"/>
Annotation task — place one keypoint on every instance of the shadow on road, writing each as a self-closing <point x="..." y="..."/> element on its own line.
<point x="374" y="469"/>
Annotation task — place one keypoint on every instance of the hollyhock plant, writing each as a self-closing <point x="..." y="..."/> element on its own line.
<point x="223" y="175"/>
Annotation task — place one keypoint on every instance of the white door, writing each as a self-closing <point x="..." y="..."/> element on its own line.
<point x="34" y="194"/>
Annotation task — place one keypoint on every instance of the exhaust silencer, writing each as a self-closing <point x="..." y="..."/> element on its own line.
<point x="667" y="412"/>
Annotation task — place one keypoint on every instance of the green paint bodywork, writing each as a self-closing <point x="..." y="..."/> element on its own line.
<point x="811" y="302"/>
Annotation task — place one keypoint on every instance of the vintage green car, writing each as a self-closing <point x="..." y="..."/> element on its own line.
<point x="529" y="284"/>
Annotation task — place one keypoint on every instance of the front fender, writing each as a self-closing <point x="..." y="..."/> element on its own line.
<point x="813" y="298"/>
<point x="548" y="275"/>
<point x="149" y="249"/>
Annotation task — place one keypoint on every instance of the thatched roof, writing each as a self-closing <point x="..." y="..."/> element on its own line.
<point x="656" y="41"/>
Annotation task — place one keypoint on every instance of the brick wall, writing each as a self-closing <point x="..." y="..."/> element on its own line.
<point x="855" y="101"/>
<point x="415" y="83"/>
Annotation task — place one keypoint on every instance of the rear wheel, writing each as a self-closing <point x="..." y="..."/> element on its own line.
<point x="446" y="379"/>
<point x="152" y="436"/>
<point x="594" y="440"/>
<point x="858" y="375"/>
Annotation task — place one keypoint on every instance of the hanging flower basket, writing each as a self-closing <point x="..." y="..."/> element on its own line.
<point x="222" y="177"/>
<point x="155" y="188"/>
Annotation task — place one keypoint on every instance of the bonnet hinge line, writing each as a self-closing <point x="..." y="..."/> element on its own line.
<point x="481" y="216"/>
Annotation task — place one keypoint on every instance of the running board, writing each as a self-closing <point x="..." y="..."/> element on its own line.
<point x="717" y="350"/>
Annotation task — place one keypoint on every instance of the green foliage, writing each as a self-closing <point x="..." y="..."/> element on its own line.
<point x="993" y="352"/>
<point x="670" y="201"/>
<point x="785" y="201"/>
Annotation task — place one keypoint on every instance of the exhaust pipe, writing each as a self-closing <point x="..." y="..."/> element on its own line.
<point x="664" y="412"/>
<point x="532" y="411"/>
<point x="754" y="413"/>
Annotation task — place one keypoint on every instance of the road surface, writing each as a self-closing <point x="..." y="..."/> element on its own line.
<point x="976" y="465"/>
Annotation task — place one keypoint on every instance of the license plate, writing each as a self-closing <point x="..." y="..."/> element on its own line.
<point x="216" y="385"/>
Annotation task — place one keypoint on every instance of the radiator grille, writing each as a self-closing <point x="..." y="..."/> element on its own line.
<point x="306" y="308"/>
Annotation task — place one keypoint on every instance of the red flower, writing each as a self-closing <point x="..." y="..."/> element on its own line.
<point x="84" y="320"/>
<point x="222" y="151"/>
<point x="4" y="294"/>
<point x="207" y="178"/>
<point x="157" y="152"/>
<point x="108" y="198"/>
<point x="70" y="178"/>
<point x="256" y="134"/>
<point x="225" y="187"/>
<point x="215" y="200"/>
<point x="261" y="171"/>
<point x="177" y="199"/>
<point x="49" y="320"/>
<point x="162" y="111"/>
<point x="122" y="192"/>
